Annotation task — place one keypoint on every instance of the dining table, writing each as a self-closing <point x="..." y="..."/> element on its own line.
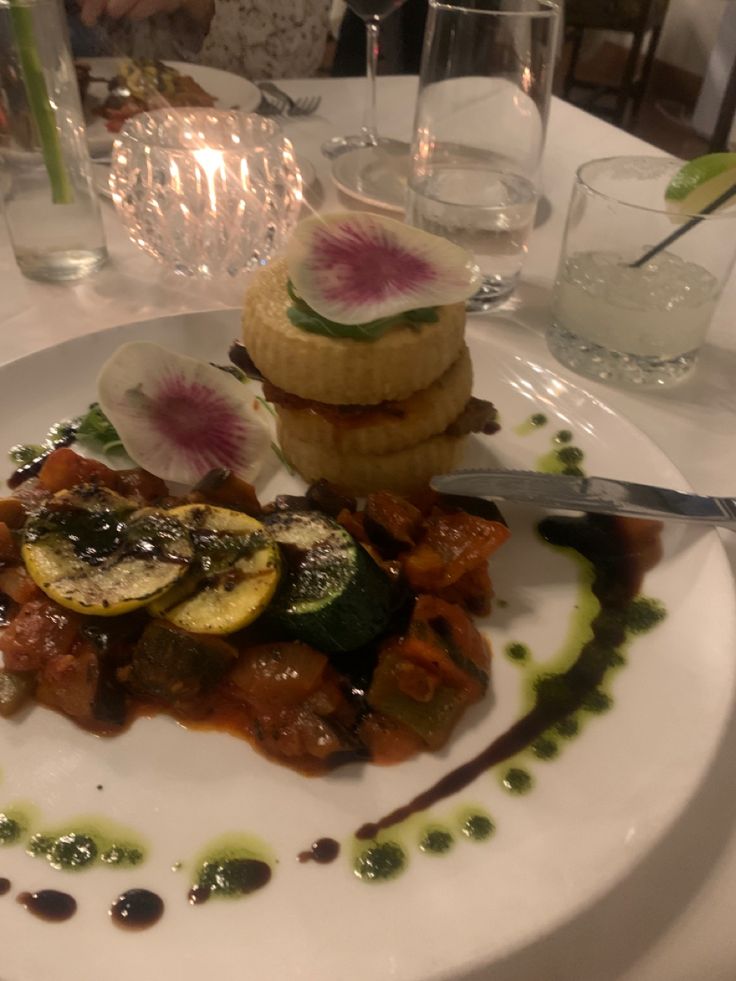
<point x="671" y="918"/>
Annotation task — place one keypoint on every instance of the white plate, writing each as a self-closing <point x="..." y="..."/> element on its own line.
<point x="591" y="816"/>
<point x="101" y="175"/>
<point x="375" y="175"/>
<point x="227" y="90"/>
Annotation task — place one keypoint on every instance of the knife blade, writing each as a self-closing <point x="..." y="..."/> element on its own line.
<point x="557" y="492"/>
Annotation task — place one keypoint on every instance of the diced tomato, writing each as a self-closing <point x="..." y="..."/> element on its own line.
<point x="473" y="591"/>
<point x="9" y="551"/>
<point x="18" y="585"/>
<point x="139" y="483"/>
<point x="392" y="520"/>
<point x="223" y="488"/>
<point x="452" y="545"/>
<point x="387" y="740"/>
<point x="352" y="522"/>
<point x="278" y="674"/>
<point x="12" y="512"/>
<point x="40" y="631"/>
<point x="64" y="468"/>
<point x="427" y="678"/>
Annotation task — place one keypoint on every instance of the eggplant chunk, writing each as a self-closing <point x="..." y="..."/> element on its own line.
<point x="175" y="667"/>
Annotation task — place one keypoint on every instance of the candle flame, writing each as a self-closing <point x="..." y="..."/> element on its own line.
<point x="210" y="161"/>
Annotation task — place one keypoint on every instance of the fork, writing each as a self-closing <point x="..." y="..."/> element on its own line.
<point x="304" y="106"/>
<point x="267" y="107"/>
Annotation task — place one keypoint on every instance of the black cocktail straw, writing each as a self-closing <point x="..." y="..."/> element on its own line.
<point x="708" y="209"/>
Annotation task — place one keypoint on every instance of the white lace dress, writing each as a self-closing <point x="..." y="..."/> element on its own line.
<point x="267" y="38"/>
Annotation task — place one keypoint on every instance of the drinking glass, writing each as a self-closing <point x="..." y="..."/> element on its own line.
<point x="479" y="130"/>
<point x="371" y="12"/>
<point x="617" y="318"/>
<point x="50" y="202"/>
<point x="210" y="193"/>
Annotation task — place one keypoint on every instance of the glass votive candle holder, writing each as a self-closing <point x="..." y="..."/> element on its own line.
<point x="209" y="193"/>
<point x="633" y="299"/>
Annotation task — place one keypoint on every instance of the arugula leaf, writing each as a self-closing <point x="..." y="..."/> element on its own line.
<point x="96" y="430"/>
<point x="305" y="318"/>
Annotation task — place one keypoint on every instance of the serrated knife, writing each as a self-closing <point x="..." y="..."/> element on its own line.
<point x="557" y="492"/>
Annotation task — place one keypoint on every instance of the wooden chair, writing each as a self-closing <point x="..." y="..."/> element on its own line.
<point x="636" y="17"/>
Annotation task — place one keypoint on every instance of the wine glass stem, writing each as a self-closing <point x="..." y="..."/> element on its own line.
<point x="370" y="130"/>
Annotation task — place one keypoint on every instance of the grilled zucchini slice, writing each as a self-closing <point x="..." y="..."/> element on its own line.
<point x="333" y="595"/>
<point x="92" y="552"/>
<point x="235" y="573"/>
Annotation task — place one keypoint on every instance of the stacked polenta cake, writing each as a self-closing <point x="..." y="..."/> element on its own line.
<point x="358" y="337"/>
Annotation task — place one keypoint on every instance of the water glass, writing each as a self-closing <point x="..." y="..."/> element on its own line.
<point x="50" y="202"/>
<point x="209" y="193"/>
<point x="615" y="317"/>
<point x="479" y="130"/>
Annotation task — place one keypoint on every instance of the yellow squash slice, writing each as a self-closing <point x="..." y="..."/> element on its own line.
<point x="92" y="552"/>
<point x="235" y="573"/>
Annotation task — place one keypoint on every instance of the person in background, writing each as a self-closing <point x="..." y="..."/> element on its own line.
<point x="254" y="38"/>
<point x="151" y="29"/>
<point x="268" y="38"/>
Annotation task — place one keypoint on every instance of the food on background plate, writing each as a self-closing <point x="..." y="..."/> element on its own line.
<point x="140" y="86"/>
<point x="320" y="632"/>
<point x="358" y="337"/>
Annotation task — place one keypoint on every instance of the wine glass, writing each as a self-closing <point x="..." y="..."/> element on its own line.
<point x="376" y="168"/>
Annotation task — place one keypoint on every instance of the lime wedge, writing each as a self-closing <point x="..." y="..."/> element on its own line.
<point x="699" y="182"/>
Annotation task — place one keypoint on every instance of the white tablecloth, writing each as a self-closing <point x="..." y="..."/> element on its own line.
<point x="673" y="918"/>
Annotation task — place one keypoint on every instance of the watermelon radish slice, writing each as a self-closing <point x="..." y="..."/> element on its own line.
<point x="355" y="267"/>
<point x="178" y="417"/>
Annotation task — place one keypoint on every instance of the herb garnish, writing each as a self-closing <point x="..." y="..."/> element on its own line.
<point x="305" y="318"/>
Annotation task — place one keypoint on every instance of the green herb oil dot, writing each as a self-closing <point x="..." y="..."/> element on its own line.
<point x="233" y="876"/>
<point x="517" y="781"/>
<point x="545" y="748"/>
<point x="568" y="727"/>
<point x="119" y="855"/>
<point x="39" y="845"/>
<point x="642" y="614"/>
<point x="563" y="436"/>
<point x="72" y="851"/>
<point x="9" y="830"/>
<point x="538" y="419"/>
<point x="517" y="651"/>
<point x="436" y="842"/>
<point x="478" y="827"/>
<point x="380" y="862"/>
<point x="570" y="455"/>
<point x="597" y="701"/>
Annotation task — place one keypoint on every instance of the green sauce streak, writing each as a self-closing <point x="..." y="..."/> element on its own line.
<point x="82" y="846"/>
<point x="478" y="827"/>
<point x="517" y="652"/>
<point x="10" y="830"/>
<point x="380" y="862"/>
<point x="528" y="426"/>
<point x="436" y="841"/>
<point x="517" y="781"/>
